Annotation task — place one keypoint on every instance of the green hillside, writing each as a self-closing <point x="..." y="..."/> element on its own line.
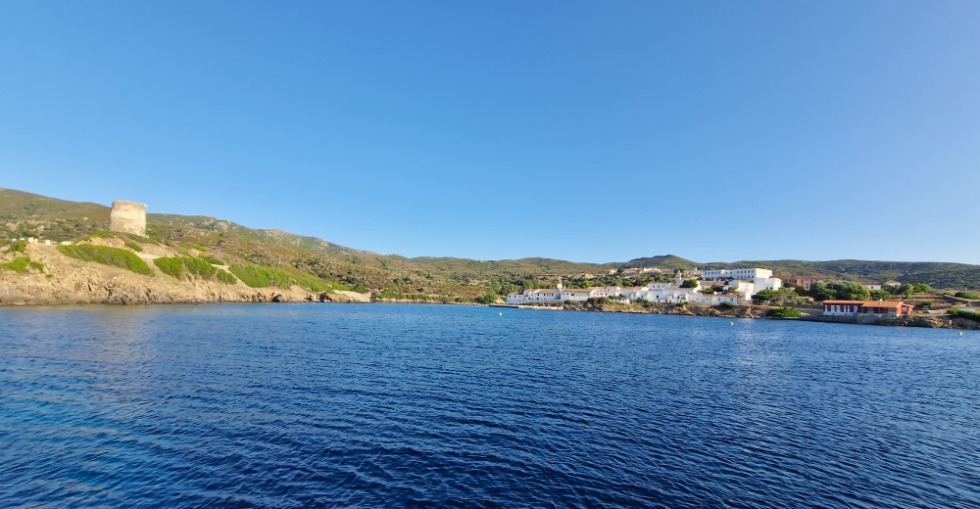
<point x="935" y="274"/>
<point x="664" y="262"/>
<point x="442" y="279"/>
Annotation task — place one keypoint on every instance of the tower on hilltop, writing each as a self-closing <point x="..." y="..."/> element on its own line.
<point x="128" y="217"/>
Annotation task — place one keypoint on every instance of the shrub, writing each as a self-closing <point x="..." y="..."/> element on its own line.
<point x="263" y="277"/>
<point x="967" y="295"/>
<point x="487" y="299"/>
<point x="107" y="256"/>
<point x="171" y="266"/>
<point x="18" y="247"/>
<point x="725" y="306"/>
<point x="785" y="313"/>
<point x="199" y="267"/>
<point x="921" y="288"/>
<point x="225" y="277"/>
<point x="212" y="261"/>
<point x="21" y="264"/>
<point x="176" y="266"/>
<point x="959" y="313"/>
<point x="135" y="247"/>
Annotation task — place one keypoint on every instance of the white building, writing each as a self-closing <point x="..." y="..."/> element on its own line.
<point x="715" y="299"/>
<point x="669" y="295"/>
<point x="575" y="294"/>
<point x="631" y="292"/>
<point x="549" y="296"/>
<point x="609" y="292"/>
<point x="754" y="273"/>
<point x="767" y="283"/>
<point x="748" y="288"/>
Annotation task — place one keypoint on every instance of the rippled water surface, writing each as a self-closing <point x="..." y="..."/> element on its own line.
<point x="398" y="405"/>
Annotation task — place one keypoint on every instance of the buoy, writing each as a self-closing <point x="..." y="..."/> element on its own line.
<point x="731" y="323"/>
<point x="500" y="313"/>
<point x="961" y="333"/>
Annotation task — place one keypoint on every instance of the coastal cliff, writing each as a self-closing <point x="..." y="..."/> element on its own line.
<point x="59" y="279"/>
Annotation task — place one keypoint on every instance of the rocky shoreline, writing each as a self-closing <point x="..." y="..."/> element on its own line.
<point x="66" y="281"/>
<point x="759" y="312"/>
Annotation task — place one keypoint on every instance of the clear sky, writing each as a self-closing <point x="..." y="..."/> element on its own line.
<point x="588" y="131"/>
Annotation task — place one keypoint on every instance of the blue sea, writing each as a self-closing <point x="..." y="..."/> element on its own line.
<point x="328" y="405"/>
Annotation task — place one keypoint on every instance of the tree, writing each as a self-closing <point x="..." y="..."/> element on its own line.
<point x="487" y="299"/>
<point x="689" y="283"/>
<point x="904" y="290"/>
<point x="880" y="295"/>
<point x="763" y="296"/>
<point x="839" y="290"/>
<point x="921" y="288"/>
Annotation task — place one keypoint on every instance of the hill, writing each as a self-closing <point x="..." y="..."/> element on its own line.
<point x="441" y="279"/>
<point x="664" y="262"/>
<point x="935" y="274"/>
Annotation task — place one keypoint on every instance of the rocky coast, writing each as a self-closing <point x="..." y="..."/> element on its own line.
<point x="65" y="280"/>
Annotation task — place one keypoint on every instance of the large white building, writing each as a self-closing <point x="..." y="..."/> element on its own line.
<point x="549" y="296"/>
<point x="754" y="273"/>
<point x="576" y="294"/>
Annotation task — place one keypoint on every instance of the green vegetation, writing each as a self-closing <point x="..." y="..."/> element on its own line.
<point x="424" y="278"/>
<point x="263" y="277"/>
<point x="959" y="313"/>
<point x="225" y="277"/>
<point x="177" y="266"/>
<point x="785" y="313"/>
<point x="487" y="299"/>
<point x="880" y="295"/>
<point x="199" y="267"/>
<point x="839" y="291"/>
<point x="171" y="266"/>
<point x="107" y="256"/>
<point x="665" y="262"/>
<point x="22" y="264"/>
<point x="689" y="283"/>
<point x="18" y="247"/>
<point x="921" y="288"/>
<point x="967" y="295"/>
<point x="783" y="297"/>
<point x="135" y="247"/>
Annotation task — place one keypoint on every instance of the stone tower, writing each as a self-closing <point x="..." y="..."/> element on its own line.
<point x="128" y="217"/>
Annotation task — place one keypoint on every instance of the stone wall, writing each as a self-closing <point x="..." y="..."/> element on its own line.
<point x="128" y="217"/>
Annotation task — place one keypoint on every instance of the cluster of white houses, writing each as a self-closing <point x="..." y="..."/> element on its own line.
<point x="728" y="287"/>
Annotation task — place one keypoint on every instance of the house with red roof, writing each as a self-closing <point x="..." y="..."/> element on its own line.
<point x="891" y="308"/>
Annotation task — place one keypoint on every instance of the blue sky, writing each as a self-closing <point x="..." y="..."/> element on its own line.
<point x="589" y="131"/>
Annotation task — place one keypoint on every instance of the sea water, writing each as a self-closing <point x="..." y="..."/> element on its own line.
<point x="326" y="405"/>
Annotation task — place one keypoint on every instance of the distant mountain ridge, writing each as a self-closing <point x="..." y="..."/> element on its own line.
<point x="67" y="219"/>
